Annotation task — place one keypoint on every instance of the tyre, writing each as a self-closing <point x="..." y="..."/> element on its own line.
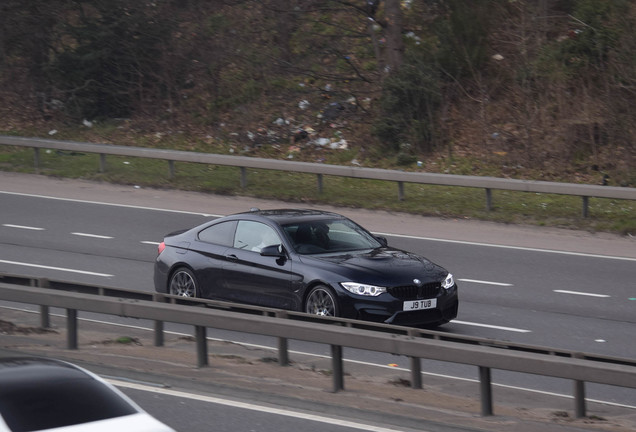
<point x="183" y="283"/>
<point x="321" y="301"/>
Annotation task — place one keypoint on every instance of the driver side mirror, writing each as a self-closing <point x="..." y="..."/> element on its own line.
<point x="273" y="251"/>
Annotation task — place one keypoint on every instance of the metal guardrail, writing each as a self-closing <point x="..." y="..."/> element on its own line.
<point x="400" y="177"/>
<point x="416" y="344"/>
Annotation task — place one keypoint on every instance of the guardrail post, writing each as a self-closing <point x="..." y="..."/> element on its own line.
<point x="338" y="370"/>
<point x="202" y="346"/>
<point x="36" y="159"/>
<point x="71" y="329"/>
<point x="243" y="177"/>
<point x="171" y="168"/>
<point x="45" y="317"/>
<point x="401" y="191"/>
<point x="416" y="365"/>
<point x="283" y="356"/>
<point x="579" y="393"/>
<point x="584" y="211"/>
<point x="102" y="162"/>
<point x="488" y="199"/>
<point x="319" y="183"/>
<point x="158" y="333"/>
<point x="579" y="398"/>
<point x="486" y="391"/>
<point x="416" y="373"/>
<point x="283" y="351"/>
<point x="158" y="324"/>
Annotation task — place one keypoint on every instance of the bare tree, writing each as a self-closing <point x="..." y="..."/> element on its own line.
<point x="394" y="34"/>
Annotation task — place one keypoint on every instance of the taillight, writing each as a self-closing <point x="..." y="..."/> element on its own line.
<point x="161" y="247"/>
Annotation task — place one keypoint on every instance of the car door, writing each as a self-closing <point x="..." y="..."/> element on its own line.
<point x="252" y="278"/>
<point x="211" y="245"/>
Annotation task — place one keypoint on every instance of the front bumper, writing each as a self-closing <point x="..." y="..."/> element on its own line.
<point x="389" y="310"/>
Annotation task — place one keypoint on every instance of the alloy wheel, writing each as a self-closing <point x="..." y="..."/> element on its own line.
<point x="321" y="302"/>
<point x="183" y="284"/>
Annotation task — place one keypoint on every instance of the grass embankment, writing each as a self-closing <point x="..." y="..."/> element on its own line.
<point x="607" y="215"/>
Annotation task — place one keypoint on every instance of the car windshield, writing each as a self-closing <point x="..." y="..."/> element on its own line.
<point x="329" y="236"/>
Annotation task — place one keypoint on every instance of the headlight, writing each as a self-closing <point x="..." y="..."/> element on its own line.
<point x="448" y="282"/>
<point x="362" y="289"/>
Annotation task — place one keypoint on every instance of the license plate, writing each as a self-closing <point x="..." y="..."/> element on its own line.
<point x="420" y="304"/>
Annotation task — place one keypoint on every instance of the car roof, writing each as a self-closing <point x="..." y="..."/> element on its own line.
<point x="287" y="216"/>
<point x="19" y="370"/>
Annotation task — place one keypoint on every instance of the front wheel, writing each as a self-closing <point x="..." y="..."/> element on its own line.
<point x="183" y="283"/>
<point x="321" y="301"/>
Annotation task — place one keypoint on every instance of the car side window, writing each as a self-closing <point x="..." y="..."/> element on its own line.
<point x="221" y="233"/>
<point x="254" y="236"/>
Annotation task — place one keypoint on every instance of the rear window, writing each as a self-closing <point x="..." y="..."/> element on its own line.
<point x="30" y="407"/>
<point x="220" y="233"/>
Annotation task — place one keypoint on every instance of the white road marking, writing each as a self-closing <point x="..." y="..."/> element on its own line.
<point x="111" y="204"/>
<point x="485" y="282"/>
<point x="510" y="329"/>
<point x="581" y="293"/>
<point x="56" y="268"/>
<point x="252" y="407"/>
<point x="154" y="243"/>
<point x="23" y="227"/>
<point x="509" y="247"/>
<point x="91" y="235"/>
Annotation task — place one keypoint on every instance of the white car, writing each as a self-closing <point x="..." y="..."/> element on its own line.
<point x="42" y="394"/>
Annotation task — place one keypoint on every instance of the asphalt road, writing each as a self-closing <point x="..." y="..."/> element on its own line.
<point x="195" y="413"/>
<point x="200" y="413"/>
<point x="559" y="288"/>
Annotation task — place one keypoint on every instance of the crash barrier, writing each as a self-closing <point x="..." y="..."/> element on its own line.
<point x="400" y="177"/>
<point x="416" y="344"/>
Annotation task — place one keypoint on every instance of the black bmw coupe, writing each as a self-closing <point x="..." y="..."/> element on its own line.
<point x="305" y="260"/>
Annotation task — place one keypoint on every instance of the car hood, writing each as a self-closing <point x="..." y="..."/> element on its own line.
<point x="382" y="265"/>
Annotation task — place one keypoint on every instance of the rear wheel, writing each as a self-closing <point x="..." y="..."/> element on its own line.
<point x="183" y="283"/>
<point x="321" y="301"/>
